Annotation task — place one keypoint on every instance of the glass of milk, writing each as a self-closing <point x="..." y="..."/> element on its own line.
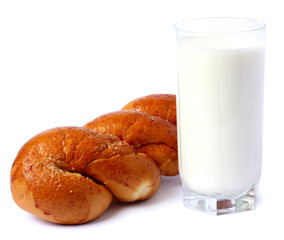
<point x="220" y="112"/>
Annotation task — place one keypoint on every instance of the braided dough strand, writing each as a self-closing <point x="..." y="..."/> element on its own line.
<point x="152" y="135"/>
<point x="68" y="175"/>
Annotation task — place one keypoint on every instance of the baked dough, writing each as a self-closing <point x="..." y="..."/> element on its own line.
<point x="68" y="175"/>
<point x="148" y="134"/>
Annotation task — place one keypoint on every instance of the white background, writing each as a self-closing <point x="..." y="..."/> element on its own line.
<point x="66" y="62"/>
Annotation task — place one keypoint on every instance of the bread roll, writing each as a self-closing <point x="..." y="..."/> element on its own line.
<point x="148" y="134"/>
<point x="68" y="175"/>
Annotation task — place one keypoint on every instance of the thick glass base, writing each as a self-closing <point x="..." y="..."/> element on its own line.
<point x="218" y="204"/>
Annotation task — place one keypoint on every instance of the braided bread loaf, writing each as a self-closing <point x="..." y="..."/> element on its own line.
<point x="68" y="175"/>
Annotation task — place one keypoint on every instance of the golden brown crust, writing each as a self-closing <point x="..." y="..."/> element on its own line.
<point x="52" y="174"/>
<point x="166" y="157"/>
<point x="162" y="105"/>
<point x="145" y="132"/>
<point x="118" y="172"/>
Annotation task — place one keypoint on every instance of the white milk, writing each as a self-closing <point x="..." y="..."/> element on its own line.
<point x="220" y="113"/>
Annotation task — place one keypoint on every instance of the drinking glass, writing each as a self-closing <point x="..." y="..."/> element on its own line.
<point x="220" y="112"/>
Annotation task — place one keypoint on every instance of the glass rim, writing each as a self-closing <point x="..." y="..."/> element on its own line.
<point x="178" y="26"/>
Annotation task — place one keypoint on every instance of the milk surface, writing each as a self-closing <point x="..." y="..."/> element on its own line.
<point x="220" y="115"/>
